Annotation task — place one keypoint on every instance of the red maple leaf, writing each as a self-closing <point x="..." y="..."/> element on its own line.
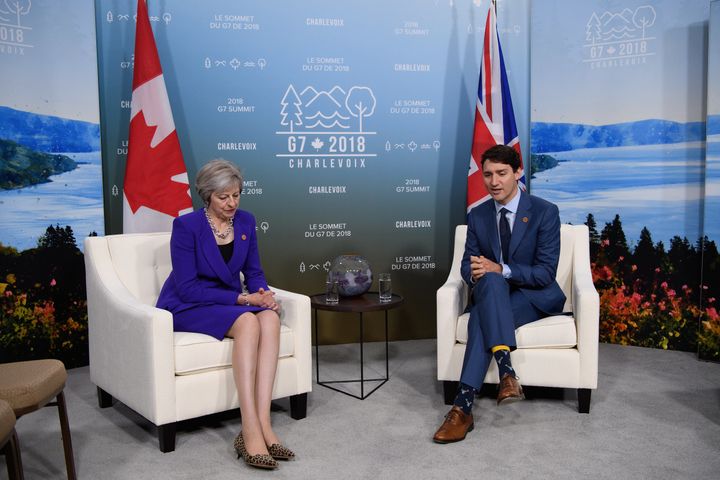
<point x="148" y="171"/>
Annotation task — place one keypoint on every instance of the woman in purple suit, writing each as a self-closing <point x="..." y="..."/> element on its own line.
<point x="209" y="249"/>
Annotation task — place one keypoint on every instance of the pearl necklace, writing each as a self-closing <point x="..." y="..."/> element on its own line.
<point x="222" y="235"/>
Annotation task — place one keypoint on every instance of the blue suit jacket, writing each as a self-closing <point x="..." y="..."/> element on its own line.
<point x="534" y="248"/>
<point x="199" y="274"/>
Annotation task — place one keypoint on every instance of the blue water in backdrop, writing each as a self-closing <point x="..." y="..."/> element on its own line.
<point x="667" y="188"/>
<point x="663" y="187"/>
<point x="72" y="198"/>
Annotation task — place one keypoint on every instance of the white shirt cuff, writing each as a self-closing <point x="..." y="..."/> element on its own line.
<point x="506" y="272"/>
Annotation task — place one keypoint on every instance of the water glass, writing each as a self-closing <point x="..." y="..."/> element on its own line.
<point x="332" y="292"/>
<point x="385" y="287"/>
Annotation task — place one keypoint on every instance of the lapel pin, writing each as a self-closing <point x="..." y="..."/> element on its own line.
<point x="525" y="219"/>
<point x="245" y="238"/>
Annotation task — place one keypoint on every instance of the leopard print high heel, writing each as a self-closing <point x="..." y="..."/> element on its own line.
<point x="280" y="452"/>
<point x="261" y="460"/>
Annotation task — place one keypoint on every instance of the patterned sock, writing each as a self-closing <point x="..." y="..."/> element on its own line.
<point x="465" y="397"/>
<point x="502" y="357"/>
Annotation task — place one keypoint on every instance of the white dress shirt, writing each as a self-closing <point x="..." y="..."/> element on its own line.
<point x="512" y="207"/>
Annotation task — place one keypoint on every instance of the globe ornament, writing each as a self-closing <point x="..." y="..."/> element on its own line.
<point x="353" y="274"/>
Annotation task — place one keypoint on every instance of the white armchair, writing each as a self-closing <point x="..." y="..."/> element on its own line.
<point x="559" y="351"/>
<point x="168" y="376"/>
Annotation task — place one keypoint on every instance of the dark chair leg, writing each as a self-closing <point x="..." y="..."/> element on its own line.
<point x="449" y="391"/>
<point x="529" y="392"/>
<point x="13" y="459"/>
<point x="584" y="400"/>
<point x="105" y="400"/>
<point x="166" y="436"/>
<point x="67" y="440"/>
<point x="298" y="406"/>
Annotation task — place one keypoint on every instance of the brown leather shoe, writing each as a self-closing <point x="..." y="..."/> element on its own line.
<point x="509" y="390"/>
<point x="456" y="425"/>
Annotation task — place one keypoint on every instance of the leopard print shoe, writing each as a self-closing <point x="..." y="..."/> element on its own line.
<point x="280" y="452"/>
<point x="260" y="460"/>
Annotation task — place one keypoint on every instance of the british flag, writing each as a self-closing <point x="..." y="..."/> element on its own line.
<point x="494" y="117"/>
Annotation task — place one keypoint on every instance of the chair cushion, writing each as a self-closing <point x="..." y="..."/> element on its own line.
<point x="550" y="332"/>
<point x="196" y="352"/>
<point x="28" y="386"/>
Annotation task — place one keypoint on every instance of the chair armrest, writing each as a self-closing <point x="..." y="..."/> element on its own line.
<point x="131" y="344"/>
<point x="295" y="312"/>
<point x="586" y="306"/>
<point x="451" y="298"/>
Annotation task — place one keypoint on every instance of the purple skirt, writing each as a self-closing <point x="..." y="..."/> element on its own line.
<point x="214" y="320"/>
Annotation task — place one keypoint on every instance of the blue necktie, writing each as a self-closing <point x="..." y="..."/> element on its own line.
<point x="504" y="234"/>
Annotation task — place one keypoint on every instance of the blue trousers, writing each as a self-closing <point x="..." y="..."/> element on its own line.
<point x="498" y="309"/>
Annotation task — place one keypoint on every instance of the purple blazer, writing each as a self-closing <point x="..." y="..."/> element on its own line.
<point x="201" y="278"/>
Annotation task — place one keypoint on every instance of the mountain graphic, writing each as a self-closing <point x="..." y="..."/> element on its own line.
<point x="617" y="25"/>
<point x="308" y="94"/>
<point x="324" y="109"/>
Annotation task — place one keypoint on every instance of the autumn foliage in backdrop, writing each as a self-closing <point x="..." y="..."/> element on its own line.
<point x="654" y="297"/>
<point x="43" y="308"/>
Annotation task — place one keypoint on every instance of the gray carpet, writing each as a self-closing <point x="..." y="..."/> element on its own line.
<point x="656" y="414"/>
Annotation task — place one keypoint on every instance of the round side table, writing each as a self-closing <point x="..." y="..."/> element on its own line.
<point x="367" y="302"/>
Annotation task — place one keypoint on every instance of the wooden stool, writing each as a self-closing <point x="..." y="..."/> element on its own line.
<point x="29" y="386"/>
<point x="9" y="442"/>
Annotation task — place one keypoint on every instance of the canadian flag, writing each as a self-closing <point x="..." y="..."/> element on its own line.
<point x="156" y="186"/>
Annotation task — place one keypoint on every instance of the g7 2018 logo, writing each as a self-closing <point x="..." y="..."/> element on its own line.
<point x="326" y="128"/>
<point x="615" y="39"/>
<point x="13" y="34"/>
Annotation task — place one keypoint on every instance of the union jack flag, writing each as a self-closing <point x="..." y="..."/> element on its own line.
<point x="494" y="117"/>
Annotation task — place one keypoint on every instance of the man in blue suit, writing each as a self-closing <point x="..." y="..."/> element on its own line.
<point x="510" y="261"/>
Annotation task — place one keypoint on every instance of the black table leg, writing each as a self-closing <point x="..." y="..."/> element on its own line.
<point x="317" y="350"/>
<point x="387" y="362"/>
<point x="362" y="380"/>
<point x="362" y="361"/>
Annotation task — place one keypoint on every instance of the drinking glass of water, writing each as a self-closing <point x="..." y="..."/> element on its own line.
<point x="385" y="287"/>
<point x="332" y="291"/>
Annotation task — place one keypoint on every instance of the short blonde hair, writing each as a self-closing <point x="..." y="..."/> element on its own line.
<point x="215" y="176"/>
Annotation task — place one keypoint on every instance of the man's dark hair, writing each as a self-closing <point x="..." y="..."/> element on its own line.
<point x="502" y="154"/>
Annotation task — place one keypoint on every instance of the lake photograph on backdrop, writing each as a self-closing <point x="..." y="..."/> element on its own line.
<point x="51" y="199"/>
<point x="620" y="141"/>
<point x="655" y="186"/>
<point x="71" y="198"/>
<point x="50" y="179"/>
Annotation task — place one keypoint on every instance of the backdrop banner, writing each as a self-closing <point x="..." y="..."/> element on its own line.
<point x="618" y="142"/>
<point x="50" y="177"/>
<point x="352" y="122"/>
<point x="709" y="335"/>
